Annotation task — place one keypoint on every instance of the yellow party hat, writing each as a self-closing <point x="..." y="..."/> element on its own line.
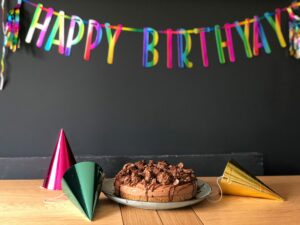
<point x="237" y="181"/>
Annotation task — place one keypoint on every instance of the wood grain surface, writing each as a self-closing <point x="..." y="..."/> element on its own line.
<point x="25" y="202"/>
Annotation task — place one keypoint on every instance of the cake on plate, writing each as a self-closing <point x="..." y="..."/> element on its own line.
<point x="155" y="182"/>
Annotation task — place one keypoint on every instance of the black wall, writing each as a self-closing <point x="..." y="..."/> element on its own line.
<point x="251" y="105"/>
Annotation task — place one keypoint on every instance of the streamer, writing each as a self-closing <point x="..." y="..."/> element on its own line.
<point x="12" y="28"/>
<point x="3" y="49"/>
<point x="183" y="51"/>
<point x="222" y="44"/>
<point x="41" y="26"/>
<point x="276" y="25"/>
<point x="59" y="25"/>
<point x="89" y="45"/>
<point x="112" y="40"/>
<point x="71" y="40"/>
<point x="150" y="47"/>
<point x="258" y="32"/>
<point x="294" y="34"/>
<point x="244" y="35"/>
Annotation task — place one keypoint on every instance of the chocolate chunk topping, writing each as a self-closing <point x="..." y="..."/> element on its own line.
<point x="140" y="165"/>
<point x="164" y="178"/>
<point x="180" y="165"/>
<point x="176" y="182"/>
<point x="148" y="174"/>
<point x="152" y="174"/>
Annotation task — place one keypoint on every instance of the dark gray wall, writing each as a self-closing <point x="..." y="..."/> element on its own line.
<point x="125" y="109"/>
<point x="37" y="167"/>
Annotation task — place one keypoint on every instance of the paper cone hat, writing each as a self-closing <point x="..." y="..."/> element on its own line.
<point x="82" y="184"/>
<point x="62" y="159"/>
<point x="237" y="181"/>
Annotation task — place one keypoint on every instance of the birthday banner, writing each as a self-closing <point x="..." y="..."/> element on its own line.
<point x="91" y="32"/>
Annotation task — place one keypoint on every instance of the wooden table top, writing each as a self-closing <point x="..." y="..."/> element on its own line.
<point x="25" y="202"/>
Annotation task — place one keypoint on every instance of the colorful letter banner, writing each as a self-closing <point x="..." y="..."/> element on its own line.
<point x="91" y="32"/>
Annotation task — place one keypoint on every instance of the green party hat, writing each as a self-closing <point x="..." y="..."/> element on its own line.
<point x="82" y="185"/>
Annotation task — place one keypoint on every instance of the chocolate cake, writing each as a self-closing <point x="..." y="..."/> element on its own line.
<point x="155" y="182"/>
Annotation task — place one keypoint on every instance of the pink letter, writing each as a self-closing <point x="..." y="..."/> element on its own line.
<point x="89" y="45"/>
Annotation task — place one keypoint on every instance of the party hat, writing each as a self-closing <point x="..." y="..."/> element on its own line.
<point x="82" y="184"/>
<point x="237" y="181"/>
<point x="62" y="159"/>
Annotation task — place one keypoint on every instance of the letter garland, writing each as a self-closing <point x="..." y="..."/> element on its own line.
<point x="150" y="56"/>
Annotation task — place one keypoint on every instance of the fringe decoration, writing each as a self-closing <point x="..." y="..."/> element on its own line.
<point x="294" y="34"/>
<point x="11" y="32"/>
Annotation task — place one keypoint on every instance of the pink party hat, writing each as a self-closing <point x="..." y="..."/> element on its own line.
<point x="62" y="159"/>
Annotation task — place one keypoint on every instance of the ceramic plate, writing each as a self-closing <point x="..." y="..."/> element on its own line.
<point x="203" y="192"/>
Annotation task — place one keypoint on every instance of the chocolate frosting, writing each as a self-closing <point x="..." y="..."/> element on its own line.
<point x="153" y="175"/>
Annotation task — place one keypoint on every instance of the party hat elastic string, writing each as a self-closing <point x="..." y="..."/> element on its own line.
<point x="60" y="197"/>
<point x="219" y="192"/>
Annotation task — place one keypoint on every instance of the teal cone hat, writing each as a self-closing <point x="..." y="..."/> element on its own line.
<point x="82" y="184"/>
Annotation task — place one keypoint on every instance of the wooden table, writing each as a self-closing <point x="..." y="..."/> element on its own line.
<point x="24" y="202"/>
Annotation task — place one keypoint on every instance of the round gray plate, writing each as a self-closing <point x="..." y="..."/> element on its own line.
<point x="203" y="192"/>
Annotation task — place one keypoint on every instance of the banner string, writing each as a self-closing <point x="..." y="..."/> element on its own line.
<point x="190" y="31"/>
